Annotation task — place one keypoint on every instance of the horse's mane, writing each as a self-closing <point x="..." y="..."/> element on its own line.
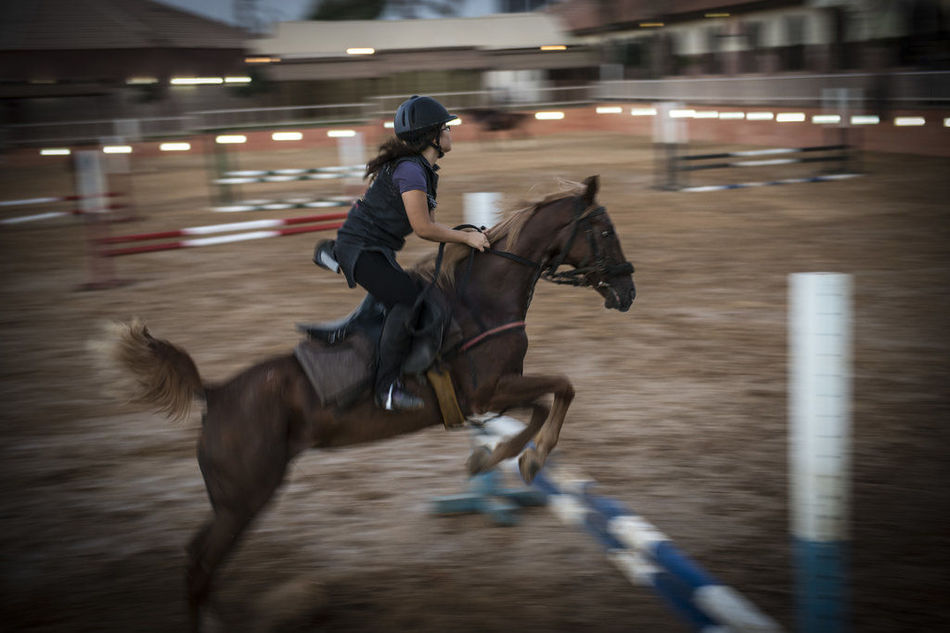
<point x="510" y="227"/>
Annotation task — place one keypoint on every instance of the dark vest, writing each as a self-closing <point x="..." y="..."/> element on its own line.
<point x="378" y="220"/>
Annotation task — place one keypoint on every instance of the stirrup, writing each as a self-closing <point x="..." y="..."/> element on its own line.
<point x="399" y="399"/>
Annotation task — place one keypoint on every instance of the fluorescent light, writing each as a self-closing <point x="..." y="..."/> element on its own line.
<point x="389" y="125"/>
<point x="194" y="81"/>
<point x="682" y="114"/>
<point x="651" y="24"/>
<point x="759" y="116"/>
<point x="904" y="121"/>
<point x="731" y="115"/>
<point x="865" y="119"/>
<point x="549" y="116"/>
<point x="231" y="138"/>
<point x="141" y="81"/>
<point x="643" y="111"/>
<point x="55" y="151"/>
<point x="243" y="79"/>
<point x="821" y="119"/>
<point x="705" y="114"/>
<point x="790" y="117"/>
<point x="117" y="149"/>
<point x="457" y="121"/>
<point x="286" y="136"/>
<point x="609" y="109"/>
<point x="341" y="133"/>
<point x="360" y="51"/>
<point x="261" y="60"/>
<point x="174" y="147"/>
<point x="554" y="47"/>
<point x="946" y="122"/>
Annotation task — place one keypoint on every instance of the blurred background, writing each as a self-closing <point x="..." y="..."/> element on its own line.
<point x="80" y="71"/>
<point x="204" y="114"/>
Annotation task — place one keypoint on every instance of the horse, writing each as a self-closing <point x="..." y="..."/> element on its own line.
<point x="256" y="422"/>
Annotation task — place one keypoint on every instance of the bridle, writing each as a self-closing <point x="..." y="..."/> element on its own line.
<point x="596" y="261"/>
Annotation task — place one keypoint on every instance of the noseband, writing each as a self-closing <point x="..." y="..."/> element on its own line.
<point x="596" y="261"/>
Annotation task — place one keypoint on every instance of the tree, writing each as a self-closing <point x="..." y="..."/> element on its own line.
<point x="373" y="9"/>
<point x="347" y="9"/>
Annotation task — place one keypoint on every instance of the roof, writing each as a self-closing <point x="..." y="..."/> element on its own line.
<point x="495" y="32"/>
<point x="35" y="25"/>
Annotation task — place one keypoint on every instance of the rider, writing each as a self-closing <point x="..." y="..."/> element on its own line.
<point x="400" y="200"/>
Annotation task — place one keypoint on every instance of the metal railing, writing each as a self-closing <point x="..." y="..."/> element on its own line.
<point x="911" y="88"/>
<point x="249" y="118"/>
<point x="95" y="131"/>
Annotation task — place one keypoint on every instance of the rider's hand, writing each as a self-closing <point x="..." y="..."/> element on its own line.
<point x="477" y="240"/>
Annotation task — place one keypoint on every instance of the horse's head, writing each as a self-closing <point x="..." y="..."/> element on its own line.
<point x="589" y="243"/>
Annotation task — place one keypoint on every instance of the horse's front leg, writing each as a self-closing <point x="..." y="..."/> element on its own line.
<point x="523" y="391"/>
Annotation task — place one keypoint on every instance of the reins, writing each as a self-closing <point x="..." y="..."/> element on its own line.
<point x="595" y="262"/>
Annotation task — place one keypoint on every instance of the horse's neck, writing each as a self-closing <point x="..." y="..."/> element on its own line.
<point x="507" y="286"/>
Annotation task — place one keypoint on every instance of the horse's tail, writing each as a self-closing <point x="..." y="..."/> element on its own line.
<point x="149" y="370"/>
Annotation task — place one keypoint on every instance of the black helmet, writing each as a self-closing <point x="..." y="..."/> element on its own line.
<point x="418" y="115"/>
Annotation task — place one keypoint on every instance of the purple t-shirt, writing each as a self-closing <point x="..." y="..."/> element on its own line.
<point x="408" y="176"/>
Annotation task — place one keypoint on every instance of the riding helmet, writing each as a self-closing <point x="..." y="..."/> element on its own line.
<point x="417" y="116"/>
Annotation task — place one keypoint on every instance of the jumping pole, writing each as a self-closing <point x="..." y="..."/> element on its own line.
<point x="819" y="403"/>
<point x="481" y="208"/>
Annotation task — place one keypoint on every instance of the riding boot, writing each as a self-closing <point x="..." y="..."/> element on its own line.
<point x="394" y="344"/>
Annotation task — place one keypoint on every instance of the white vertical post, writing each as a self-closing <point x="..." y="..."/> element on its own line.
<point x="351" y="152"/>
<point x="819" y="402"/>
<point x="91" y="189"/>
<point x="482" y="208"/>
<point x="669" y="134"/>
<point x="90" y="182"/>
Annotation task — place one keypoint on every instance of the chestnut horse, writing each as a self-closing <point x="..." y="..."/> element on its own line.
<point x="257" y="421"/>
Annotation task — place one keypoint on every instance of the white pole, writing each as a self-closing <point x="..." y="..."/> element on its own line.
<point x="482" y="208"/>
<point x="90" y="182"/>
<point x="819" y="405"/>
<point x="352" y="156"/>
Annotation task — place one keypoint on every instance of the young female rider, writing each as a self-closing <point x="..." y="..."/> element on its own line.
<point x="400" y="200"/>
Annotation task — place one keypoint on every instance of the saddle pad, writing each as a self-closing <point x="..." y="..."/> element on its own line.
<point x="338" y="372"/>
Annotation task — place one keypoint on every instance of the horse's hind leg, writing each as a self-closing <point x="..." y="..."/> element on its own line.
<point x="242" y="467"/>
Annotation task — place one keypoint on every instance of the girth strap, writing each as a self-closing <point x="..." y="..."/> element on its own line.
<point x="472" y="342"/>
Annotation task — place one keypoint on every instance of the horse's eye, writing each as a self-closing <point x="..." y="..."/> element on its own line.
<point x="606" y="233"/>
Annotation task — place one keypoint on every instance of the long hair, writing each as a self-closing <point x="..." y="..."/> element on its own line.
<point x="395" y="148"/>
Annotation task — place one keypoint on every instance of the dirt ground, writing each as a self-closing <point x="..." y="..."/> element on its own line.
<point x="680" y="410"/>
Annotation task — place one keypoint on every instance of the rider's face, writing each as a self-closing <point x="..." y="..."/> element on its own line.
<point x="445" y="139"/>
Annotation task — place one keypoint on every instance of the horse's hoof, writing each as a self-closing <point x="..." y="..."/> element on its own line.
<point x="479" y="461"/>
<point x="529" y="464"/>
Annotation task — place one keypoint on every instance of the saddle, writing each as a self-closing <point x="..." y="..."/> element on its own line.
<point x="340" y="357"/>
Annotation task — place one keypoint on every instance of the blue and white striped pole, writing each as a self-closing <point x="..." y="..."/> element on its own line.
<point x="819" y="448"/>
<point x="642" y="552"/>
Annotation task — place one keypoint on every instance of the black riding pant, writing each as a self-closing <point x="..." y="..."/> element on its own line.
<point x="390" y="284"/>
<point x="397" y="291"/>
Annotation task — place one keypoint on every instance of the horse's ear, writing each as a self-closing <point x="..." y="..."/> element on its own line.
<point x="593" y="184"/>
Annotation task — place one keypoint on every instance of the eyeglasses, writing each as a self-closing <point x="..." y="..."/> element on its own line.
<point x="446" y="128"/>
